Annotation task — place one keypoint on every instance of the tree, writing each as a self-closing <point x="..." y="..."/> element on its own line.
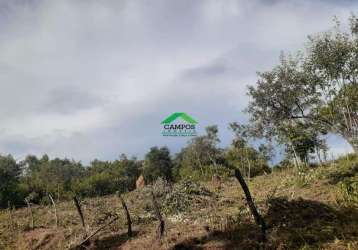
<point x="9" y="180"/>
<point x="332" y="59"/>
<point x="157" y="163"/>
<point x="317" y="90"/>
<point x="105" y="177"/>
<point x="241" y="155"/>
<point x="303" y="141"/>
<point x="129" y="170"/>
<point x="200" y="155"/>
<point x="44" y="176"/>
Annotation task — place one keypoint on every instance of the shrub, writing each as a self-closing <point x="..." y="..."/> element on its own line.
<point x="205" y="174"/>
<point x="182" y="197"/>
<point x="349" y="190"/>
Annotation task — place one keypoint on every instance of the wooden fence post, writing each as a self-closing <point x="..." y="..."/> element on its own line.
<point x="29" y="209"/>
<point x="161" y="226"/>
<point x="79" y="210"/>
<point x="11" y="225"/>
<point x="258" y="218"/>
<point x="129" y="221"/>
<point x="54" y="207"/>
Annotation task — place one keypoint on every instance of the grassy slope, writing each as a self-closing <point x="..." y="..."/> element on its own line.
<point x="303" y="210"/>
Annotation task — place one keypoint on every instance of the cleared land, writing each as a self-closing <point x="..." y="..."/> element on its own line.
<point x="315" y="208"/>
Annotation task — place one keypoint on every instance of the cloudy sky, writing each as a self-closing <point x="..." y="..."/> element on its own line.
<point x="92" y="79"/>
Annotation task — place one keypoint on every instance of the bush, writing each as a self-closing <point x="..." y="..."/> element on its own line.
<point x="349" y="190"/>
<point x="157" y="164"/>
<point x="181" y="197"/>
<point x="206" y="173"/>
<point x="99" y="184"/>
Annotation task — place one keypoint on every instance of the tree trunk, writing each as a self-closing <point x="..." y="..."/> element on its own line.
<point x="318" y="153"/>
<point x="297" y="159"/>
<point x="258" y="218"/>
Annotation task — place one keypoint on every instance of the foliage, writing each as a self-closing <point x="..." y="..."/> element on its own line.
<point x="201" y="158"/>
<point x="348" y="167"/>
<point x="240" y="154"/>
<point x="181" y="197"/>
<point x="103" y="177"/>
<point x="10" y="190"/>
<point x="43" y="176"/>
<point x="207" y="174"/>
<point x="35" y="178"/>
<point x="349" y="190"/>
<point x="157" y="163"/>
<point x="307" y="96"/>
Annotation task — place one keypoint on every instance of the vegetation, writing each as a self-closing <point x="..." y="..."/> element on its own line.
<point x="311" y="94"/>
<point x="316" y="215"/>
<point x="311" y="205"/>
<point x="158" y="163"/>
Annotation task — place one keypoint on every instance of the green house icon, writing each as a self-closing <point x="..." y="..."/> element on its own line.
<point x="177" y="115"/>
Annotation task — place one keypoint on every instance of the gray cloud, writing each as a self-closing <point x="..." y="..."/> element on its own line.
<point x="68" y="100"/>
<point x="87" y="79"/>
<point x="205" y="71"/>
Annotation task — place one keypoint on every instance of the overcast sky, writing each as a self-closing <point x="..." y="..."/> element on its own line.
<point x="92" y="79"/>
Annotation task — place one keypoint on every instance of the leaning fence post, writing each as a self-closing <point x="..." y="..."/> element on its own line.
<point x="258" y="218"/>
<point x="79" y="210"/>
<point x="54" y="207"/>
<point x="161" y="226"/>
<point x="129" y="221"/>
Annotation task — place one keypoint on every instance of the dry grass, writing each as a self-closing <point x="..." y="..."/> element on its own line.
<point x="303" y="210"/>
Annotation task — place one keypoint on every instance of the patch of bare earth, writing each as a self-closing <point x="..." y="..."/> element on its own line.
<point x="41" y="238"/>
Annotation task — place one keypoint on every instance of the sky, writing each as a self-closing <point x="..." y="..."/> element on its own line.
<point x="87" y="79"/>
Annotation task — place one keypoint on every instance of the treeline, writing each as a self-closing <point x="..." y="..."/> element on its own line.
<point x="34" y="178"/>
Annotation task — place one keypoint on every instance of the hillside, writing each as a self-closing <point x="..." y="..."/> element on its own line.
<point x="315" y="208"/>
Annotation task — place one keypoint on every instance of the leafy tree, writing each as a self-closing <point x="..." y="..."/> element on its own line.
<point x="10" y="173"/>
<point x="332" y="60"/>
<point x="55" y="176"/>
<point x="202" y="150"/>
<point x="129" y="170"/>
<point x="241" y="155"/>
<point x="157" y="163"/>
<point x="303" y="141"/>
<point x="96" y="184"/>
<point x="200" y="155"/>
<point x="316" y="90"/>
<point x="105" y="177"/>
<point x="97" y="166"/>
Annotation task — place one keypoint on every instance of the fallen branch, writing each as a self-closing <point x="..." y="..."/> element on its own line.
<point x="129" y="221"/>
<point x="98" y="230"/>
